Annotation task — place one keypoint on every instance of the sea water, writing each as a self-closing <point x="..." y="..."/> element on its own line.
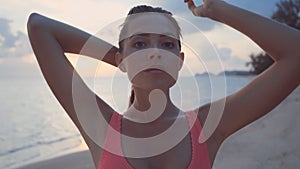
<point x="35" y="127"/>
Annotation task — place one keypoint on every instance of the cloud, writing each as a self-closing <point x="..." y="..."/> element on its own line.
<point x="12" y="44"/>
<point x="225" y="54"/>
<point x="225" y="37"/>
<point x="16" y="67"/>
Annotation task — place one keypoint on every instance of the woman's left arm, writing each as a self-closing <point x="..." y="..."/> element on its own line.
<point x="271" y="87"/>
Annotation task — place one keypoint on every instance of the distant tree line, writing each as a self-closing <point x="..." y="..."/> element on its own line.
<point x="288" y="12"/>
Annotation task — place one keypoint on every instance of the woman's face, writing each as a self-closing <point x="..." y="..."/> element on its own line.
<point x="151" y="52"/>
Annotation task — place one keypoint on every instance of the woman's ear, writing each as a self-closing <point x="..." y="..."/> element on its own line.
<point x="181" y="59"/>
<point x="119" y="61"/>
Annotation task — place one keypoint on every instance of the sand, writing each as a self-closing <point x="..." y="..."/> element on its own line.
<point x="272" y="142"/>
<point x="78" y="160"/>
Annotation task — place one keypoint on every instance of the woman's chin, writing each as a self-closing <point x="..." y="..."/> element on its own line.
<point x="154" y="81"/>
<point x="156" y="84"/>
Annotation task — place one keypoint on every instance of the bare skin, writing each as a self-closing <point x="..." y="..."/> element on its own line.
<point x="51" y="39"/>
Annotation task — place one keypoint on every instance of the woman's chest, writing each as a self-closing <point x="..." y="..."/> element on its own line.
<point x="160" y="153"/>
<point x="178" y="157"/>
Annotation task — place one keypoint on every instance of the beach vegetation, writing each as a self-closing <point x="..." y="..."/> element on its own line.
<point x="288" y="12"/>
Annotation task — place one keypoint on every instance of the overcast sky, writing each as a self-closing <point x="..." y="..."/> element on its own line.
<point x="210" y="40"/>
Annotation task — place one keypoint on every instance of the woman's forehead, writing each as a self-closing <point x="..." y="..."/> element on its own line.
<point x="150" y="23"/>
<point x="149" y="35"/>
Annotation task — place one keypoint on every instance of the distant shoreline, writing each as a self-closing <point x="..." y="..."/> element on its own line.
<point x="227" y="73"/>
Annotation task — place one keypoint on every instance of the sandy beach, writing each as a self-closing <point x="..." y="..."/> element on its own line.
<point x="272" y="142"/>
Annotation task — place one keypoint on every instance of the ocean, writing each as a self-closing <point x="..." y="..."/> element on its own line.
<point x="35" y="127"/>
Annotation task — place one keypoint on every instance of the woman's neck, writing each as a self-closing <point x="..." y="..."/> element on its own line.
<point x="152" y="106"/>
<point x="144" y="99"/>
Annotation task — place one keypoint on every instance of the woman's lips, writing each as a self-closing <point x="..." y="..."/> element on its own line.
<point x="153" y="70"/>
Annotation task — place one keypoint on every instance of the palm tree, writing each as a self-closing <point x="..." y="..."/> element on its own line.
<point x="288" y="12"/>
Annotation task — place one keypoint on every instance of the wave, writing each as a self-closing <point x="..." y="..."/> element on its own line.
<point x="38" y="143"/>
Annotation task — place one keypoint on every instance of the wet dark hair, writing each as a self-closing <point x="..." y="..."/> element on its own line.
<point x="144" y="9"/>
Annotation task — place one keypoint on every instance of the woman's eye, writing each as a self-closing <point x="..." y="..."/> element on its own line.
<point x="139" y="44"/>
<point x="169" y="45"/>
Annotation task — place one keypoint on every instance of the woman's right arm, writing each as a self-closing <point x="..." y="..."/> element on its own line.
<point x="50" y="39"/>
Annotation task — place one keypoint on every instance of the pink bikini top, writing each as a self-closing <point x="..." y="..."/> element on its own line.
<point x="200" y="157"/>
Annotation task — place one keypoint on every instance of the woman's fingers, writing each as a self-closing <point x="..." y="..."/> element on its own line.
<point x="194" y="9"/>
<point x="191" y="6"/>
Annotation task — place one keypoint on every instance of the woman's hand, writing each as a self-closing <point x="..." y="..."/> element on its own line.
<point x="204" y="10"/>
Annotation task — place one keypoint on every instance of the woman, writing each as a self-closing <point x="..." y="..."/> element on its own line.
<point x="51" y="39"/>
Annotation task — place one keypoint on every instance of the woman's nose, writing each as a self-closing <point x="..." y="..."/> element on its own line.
<point x="154" y="53"/>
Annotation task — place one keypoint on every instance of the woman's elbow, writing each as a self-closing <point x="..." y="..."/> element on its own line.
<point x="34" y="22"/>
